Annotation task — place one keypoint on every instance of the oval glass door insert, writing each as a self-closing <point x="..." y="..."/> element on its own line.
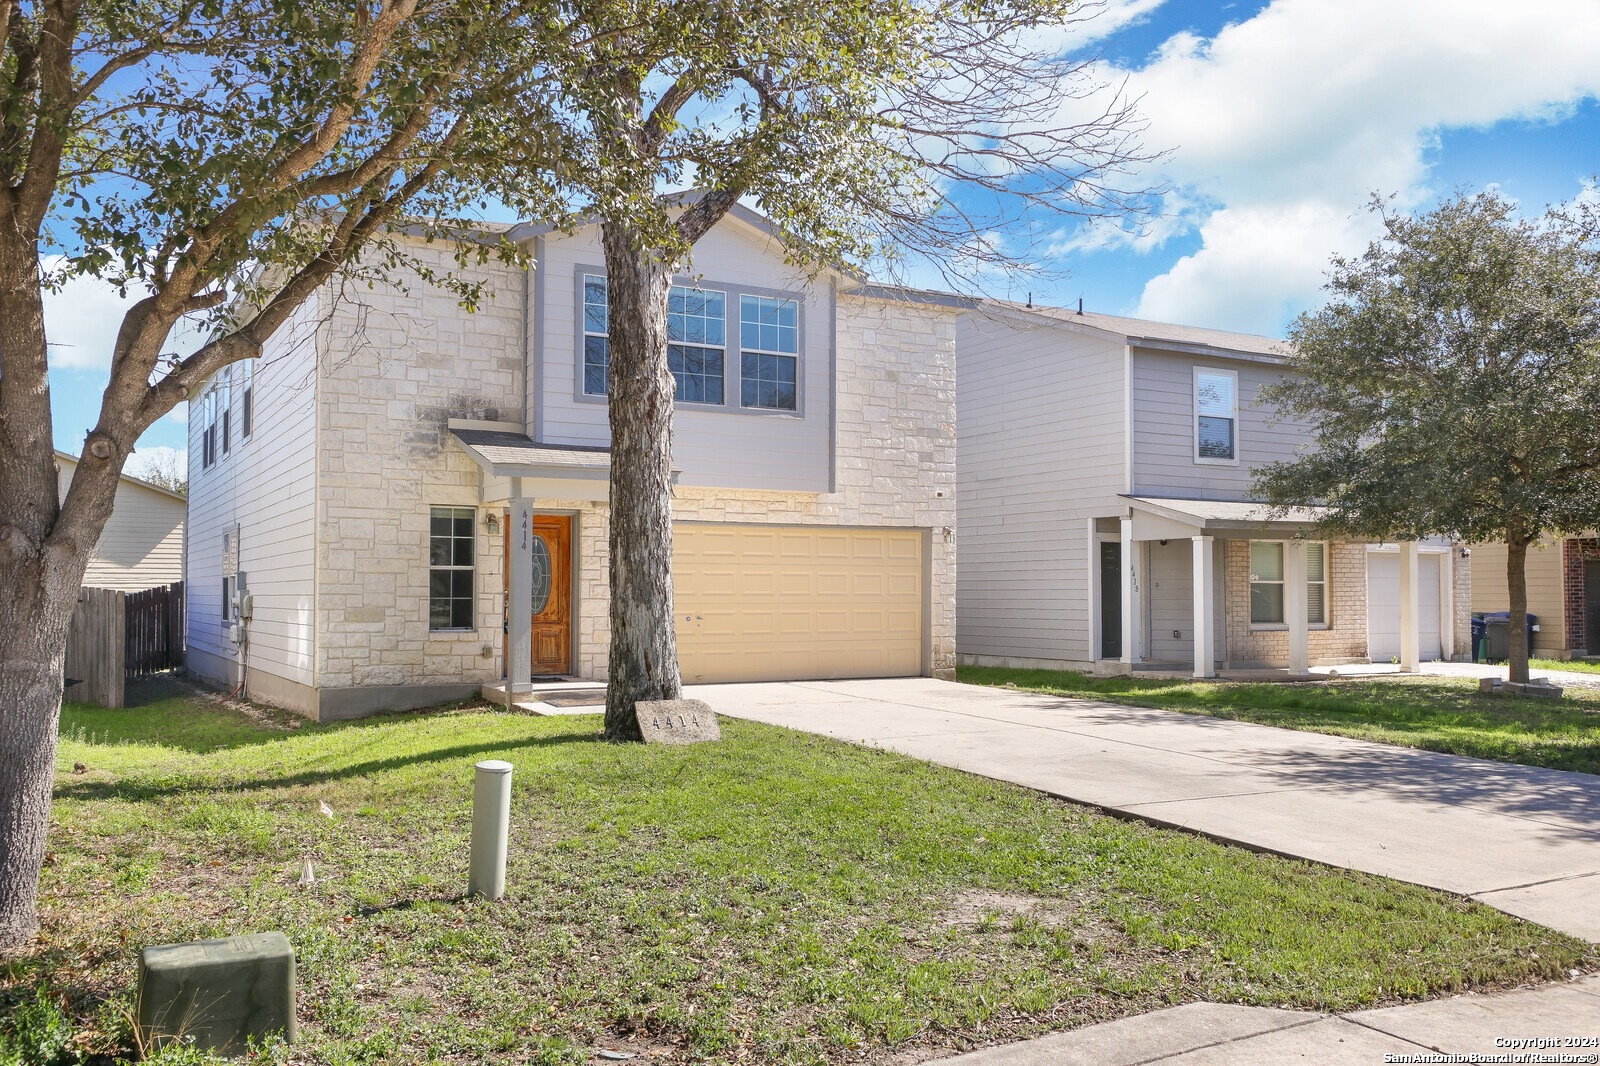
<point x="541" y="574"/>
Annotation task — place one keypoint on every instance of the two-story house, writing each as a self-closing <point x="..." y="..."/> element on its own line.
<point x="1104" y="488"/>
<point x="401" y="501"/>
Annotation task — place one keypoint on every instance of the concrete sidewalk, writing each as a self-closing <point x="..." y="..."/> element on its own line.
<point x="1207" y="1034"/>
<point x="1524" y="840"/>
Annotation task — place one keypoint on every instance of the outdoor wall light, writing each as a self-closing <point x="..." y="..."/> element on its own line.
<point x="491" y="524"/>
<point x="1466" y="552"/>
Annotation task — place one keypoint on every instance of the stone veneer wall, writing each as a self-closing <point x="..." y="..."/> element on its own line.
<point x="1345" y="639"/>
<point x="895" y="425"/>
<point x="391" y="377"/>
<point x="1461" y="602"/>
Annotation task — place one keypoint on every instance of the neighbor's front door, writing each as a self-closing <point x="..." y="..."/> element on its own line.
<point x="552" y="593"/>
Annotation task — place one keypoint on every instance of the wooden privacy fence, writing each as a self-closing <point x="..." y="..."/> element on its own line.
<point x="117" y="636"/>
<point x="154" y="634"/>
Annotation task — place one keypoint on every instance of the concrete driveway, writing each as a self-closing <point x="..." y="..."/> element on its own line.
<point x="1521" y="839"/>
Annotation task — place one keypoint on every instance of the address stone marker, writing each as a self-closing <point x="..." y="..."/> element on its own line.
<point x="676" y="721"/>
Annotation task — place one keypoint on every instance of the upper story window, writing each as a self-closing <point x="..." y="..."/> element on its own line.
<point x="596" y="340"/>
<point x="1216" y="415"/>
<point x="697" y="341"/>
<point x="225" y="400"/>
<point x="247" y="374"/>
<point x="1267" y="580"/>
<point x="769" y="352"/>
<point x="208" y="431"/>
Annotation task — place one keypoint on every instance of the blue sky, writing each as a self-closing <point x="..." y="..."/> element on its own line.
<point x="1279" y="118"/>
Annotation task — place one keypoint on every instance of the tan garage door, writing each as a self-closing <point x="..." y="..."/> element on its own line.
<point x="788" y="603"/>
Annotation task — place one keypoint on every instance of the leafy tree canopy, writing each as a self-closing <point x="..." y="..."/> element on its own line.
<point x="1452" y="384"/>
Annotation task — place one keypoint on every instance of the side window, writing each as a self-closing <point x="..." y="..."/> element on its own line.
<point x="247" y="373"/>
<point x="769" y="352"/>
<point x="1317" y="584"/>
<point x="208" y="431"/>
<point x="596" y="336"/>
<point x="451" y="562"/>
<point x="225" y="399"/>
<point x="1216" y="394"/>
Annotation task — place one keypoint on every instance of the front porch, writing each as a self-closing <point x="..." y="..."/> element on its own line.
<point x="1225" y="589"/>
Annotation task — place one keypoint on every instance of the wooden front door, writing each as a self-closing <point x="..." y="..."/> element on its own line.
<point x="552" y="593"/>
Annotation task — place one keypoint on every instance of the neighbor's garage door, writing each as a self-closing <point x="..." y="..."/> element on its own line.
<point x="1383" y="606"/>
<point x="785" y="603"/>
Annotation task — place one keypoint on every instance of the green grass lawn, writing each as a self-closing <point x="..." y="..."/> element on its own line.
<point x="777" y="897"/>
<point x="1575" y="666"/>
<point x="1435" y="713"/>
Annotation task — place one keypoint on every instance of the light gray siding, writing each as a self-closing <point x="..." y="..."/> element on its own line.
<point x="142" y="544"/>
<point x="1164" y="461"/>
<point x="722" y="447"/>
<point x="1040" y="451"/>
<point x="265" y="486"/>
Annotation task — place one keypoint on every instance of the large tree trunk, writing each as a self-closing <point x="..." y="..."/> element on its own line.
<point x="43" y="553"/>
<point x="33" y="637"/>
<point x="1517" y="590"/>
<point x="644" y="644"/>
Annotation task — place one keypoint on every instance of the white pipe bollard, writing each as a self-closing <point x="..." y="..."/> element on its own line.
<point x="491" y="820"/>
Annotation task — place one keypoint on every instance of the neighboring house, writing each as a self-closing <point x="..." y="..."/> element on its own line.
<point x="141" y="546"/>
<point x="1563" y="592"/>
<point x="1105" y="468"/>
<point x="354" y="488"/>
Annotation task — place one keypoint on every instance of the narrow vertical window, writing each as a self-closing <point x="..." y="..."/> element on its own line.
<point x="247" y="398"/>
<point x="208" y="431"/>
<point x="451" y="559"/>
<point x="1266" y="582"/>
<point x="1316" y="584"/>
<point x="1216" y="415"/>
<point x="697" y="341"/>
<point x="769" y="352"/>
<point x="596" y="336"/>
<point x="226" y="401"/>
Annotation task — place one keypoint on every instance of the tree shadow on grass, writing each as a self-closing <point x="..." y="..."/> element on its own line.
<point x="136" y="791"/>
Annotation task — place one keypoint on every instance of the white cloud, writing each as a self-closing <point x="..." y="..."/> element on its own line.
<point x="81" y="320"/>
<point x="158" y="459"/>
<point x="1287" y="122"/>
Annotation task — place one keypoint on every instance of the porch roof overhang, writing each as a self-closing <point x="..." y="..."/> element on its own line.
<point x="566" y="471"/>
<point x="1161" y="518"/>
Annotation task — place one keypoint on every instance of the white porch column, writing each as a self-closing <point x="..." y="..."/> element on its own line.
<point x="1294" y="605"/>
<point x="1131" y="623"/>
<point x="519" y="659"/>
<point x="1092" y="583"/>
<point x="1410" y="609"/>
<point x="1205" y="643"/>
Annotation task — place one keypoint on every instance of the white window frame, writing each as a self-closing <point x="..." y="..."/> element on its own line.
<point x="1233" y="415"/>
<point x="585" y="333"/>
<point x="1281" y="582"/>
<point x="1327" y="579"/>
<point x="247" y="372"/>
<point x="722" y="403"/>
<point x="453" y="568"/>
<point x="208" y="429"/>
<point x="794" y="356"/>
<point x="226" y="394"/>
